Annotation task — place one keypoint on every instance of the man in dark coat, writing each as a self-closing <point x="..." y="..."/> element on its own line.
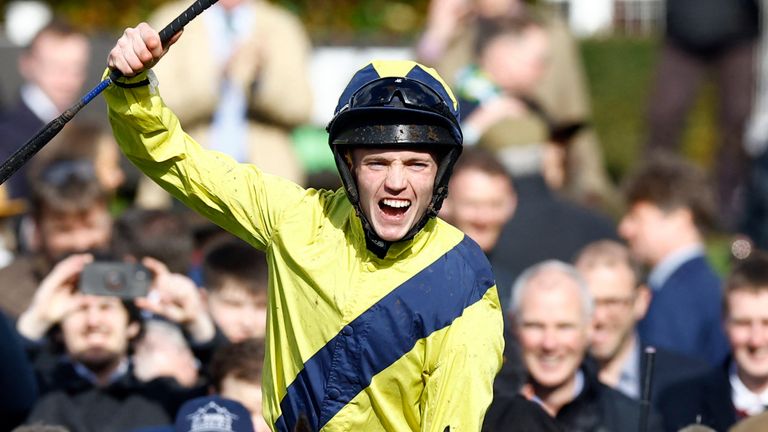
<point x="739" y="387"/>
<point x="92" y="387"/>
<point x="544" y="226"/>
<point x="17" y="378"/>
<point x="54" y="69"/>
<point x="621" y="300"/>
<point x="551" y="312"/>
<point x="669" y="209"/>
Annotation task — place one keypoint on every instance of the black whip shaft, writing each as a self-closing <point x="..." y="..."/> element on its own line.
<point x="645" y="397"/>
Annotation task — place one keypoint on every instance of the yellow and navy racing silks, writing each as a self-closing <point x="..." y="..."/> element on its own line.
<point x="410" y="342"/>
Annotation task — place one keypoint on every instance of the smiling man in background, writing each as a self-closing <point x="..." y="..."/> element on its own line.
<point x="551" y="309"/>
<point x="620" y="301"/>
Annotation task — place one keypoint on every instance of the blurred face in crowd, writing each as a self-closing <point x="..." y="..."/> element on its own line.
<point x="747" y="328"/>
<point x="395" y="188"/>
<point x="162" y="351"/>
<point x="64" y="232"/>
<point x="97" y="331"/>
<point x="58" y="65"/>
<point x="619" y="304"/>
<point x="553" y="329"/>
<point x="651" y="232"/>
<point x="479" y="204"/>
<point x="248" y="394"/>
<point x="517" y="62"/>
<point x="238" y="312"/>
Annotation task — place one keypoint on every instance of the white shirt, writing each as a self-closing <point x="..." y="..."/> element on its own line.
<point x="39" y="103"/>
<point x="229" y="127"/>
<point x="744" y="399"/>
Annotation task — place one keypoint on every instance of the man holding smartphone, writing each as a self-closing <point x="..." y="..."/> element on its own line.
<point x="93" y="386"/>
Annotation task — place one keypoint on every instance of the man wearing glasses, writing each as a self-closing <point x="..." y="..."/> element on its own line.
<point x="551" y="314"/>
<point x="620" y="300"/>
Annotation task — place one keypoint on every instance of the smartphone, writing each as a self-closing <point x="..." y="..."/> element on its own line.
<point x="116" y="279"/>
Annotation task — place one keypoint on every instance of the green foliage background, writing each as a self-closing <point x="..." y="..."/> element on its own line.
<point x="328" y="21"/>
<point x="619" y="69"/>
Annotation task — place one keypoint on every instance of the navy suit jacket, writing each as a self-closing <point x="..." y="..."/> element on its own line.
<point x="17" y="126"/>
<point x="705" y="397"/>
<point x="543" y="227"/>
<point x="685" y="314"/>
<point x="17" y="379"/>
<point x="669" y="369"/>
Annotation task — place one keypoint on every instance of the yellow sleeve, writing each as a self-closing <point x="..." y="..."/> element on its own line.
<point x="459" y="390"/>
<point x="238" y="197"/>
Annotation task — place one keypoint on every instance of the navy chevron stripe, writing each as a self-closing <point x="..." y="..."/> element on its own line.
<point x="429" y="301"/>
<point x="361" y="77"/>
<point x="420" y="74"/>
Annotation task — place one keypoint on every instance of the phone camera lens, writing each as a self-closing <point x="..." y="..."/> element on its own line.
<point x="113" y="281"/>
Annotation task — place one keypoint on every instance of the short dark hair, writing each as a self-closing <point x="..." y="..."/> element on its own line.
<point x="66" y="185"/>
<point x="482" y="160"/>
<point x="234" y="259"/>
<point x="748" y="274"/>
<point x="243" y="360"/>
<point x="508" y="25"/>
<point x="157" y="233"/>
<point x="671" y="183"/>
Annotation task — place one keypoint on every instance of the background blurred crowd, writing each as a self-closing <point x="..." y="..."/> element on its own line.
<point x="596" y="268"/>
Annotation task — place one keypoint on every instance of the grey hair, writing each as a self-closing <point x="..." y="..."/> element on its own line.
<point x="168" y="331"/>
<point x="523" y="281"/>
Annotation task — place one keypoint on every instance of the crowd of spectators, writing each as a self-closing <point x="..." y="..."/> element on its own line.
<point x="614" y="316"/>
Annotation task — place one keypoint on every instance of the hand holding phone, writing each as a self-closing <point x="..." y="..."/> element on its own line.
<point x="55" y="297"/>
<point x="177" y="298"/>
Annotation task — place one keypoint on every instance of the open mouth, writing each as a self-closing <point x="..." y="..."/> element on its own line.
<point x="394" y="207"/>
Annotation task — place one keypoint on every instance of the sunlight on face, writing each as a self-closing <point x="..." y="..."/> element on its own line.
<point x="552" y="328"/>
<point x="97" y="330"/>
<point x="648" y="230"/>
<point x="747" y="329"/>
<point x="395" y="188"/>
<point x="614" y="294"/>
<point x="58" y="65"/>
<point x="479" y="204"/>
<point x="239" y="313"/>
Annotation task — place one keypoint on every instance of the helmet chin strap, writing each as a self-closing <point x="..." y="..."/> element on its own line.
<point x="373" y="242"/>
<point x="379" y="246"/>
